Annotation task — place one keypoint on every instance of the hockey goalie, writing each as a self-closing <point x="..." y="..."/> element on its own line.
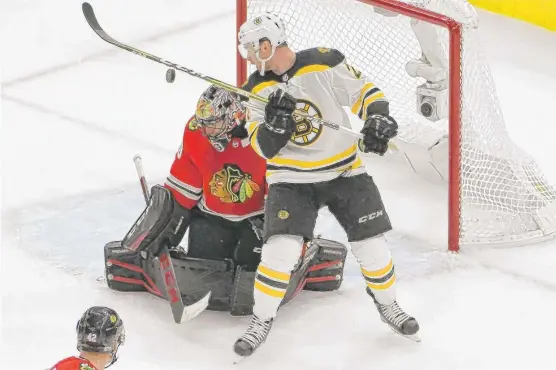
<point x="216" y="191"/>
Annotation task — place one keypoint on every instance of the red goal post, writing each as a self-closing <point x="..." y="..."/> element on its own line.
<point x="478" y="211"/>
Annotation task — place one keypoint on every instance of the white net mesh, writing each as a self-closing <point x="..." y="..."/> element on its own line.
<point x="504" y="196"/>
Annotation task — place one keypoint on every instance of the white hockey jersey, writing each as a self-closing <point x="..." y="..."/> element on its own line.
<point x="322" y="82"/>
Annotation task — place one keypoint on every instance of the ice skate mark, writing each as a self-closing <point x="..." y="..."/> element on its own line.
<point x="91" y="126"/>
<point x="109" y="51"/>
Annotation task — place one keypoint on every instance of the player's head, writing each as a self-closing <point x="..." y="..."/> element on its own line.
<point x="259" y="37"/>
<point x="100" y="330"/>
<point x="218" y="113"/>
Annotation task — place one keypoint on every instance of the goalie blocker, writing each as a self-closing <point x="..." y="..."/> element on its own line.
<point x="320" y="267"/>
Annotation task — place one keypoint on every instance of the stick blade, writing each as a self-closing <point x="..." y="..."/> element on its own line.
<point x="90" y="16"/>
<point x="193" y="310"/>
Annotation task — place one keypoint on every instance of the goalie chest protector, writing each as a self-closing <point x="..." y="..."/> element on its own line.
<point x="230" y="184"/>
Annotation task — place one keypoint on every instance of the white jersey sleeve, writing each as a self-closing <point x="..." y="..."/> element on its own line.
<point x="352" y="89"/>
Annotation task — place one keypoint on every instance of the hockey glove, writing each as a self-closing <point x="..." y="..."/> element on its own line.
<point x="278" y="113"/>
<point x="163" y="223"/>
<point x="378" y="130"/>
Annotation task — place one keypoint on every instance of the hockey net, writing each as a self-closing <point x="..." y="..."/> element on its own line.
<point x="497" y="192"/>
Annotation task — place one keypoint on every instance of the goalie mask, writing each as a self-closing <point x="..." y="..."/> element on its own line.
<point x="100" y="330"/>
<point x="218" y="113"/>
<point x="266" y="26"/>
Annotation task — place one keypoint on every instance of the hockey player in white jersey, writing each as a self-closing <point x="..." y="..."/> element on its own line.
<point x="310" y="166"/>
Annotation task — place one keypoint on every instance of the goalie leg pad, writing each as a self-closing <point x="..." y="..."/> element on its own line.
<point x="196" y="276"/>
<point x="241" y="300"/>
<point x="326" y="271"/>
<point x="125" y="270"/>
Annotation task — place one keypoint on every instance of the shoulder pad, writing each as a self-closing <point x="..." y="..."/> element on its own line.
<point x="324" y="56"/>
<point x="255" y="79"/>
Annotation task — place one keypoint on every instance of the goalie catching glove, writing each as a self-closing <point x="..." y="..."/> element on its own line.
<point x="378" y="130"/>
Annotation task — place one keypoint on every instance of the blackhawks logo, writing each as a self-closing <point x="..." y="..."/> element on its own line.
<point x="232" y="185"/>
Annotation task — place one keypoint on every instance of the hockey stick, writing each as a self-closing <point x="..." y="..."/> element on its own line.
<point x="180" y="311"/>
<point x="93" y="22"/>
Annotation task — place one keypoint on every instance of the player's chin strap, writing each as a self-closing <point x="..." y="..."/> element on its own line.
<point x="263" y="61"/>
<point x="114" y="358"/>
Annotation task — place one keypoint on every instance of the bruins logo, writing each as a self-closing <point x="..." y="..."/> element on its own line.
<point x="232" y="185"/>
<point x="323" y="50"/>
<point x="306" y="133"/>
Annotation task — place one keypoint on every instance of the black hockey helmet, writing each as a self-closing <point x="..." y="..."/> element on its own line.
<point x="100" y="330"/>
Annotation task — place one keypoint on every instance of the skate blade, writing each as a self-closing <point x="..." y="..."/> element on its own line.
<point x="239" y="359"/>
<point x="413" y="337"/>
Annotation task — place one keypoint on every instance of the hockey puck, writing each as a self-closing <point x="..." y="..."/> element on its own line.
<point x="170" y="75"/>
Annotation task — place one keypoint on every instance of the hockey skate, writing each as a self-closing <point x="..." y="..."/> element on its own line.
<point x="399" y="321"/>
<point x="255" y="335"/>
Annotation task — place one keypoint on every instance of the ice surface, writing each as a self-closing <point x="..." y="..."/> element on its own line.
<point x="74" y="112"/>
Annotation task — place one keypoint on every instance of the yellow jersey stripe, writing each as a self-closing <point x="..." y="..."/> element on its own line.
<point x="255" y="144"/>
<point x="263" y="85"/>
<point x="313" y="164"/>
<point x="369" y="101"/>
<point x="357" y="105"/>
<point x="252" y="126"/>
<point x="311" y="68"/>
<point x="352" y="166"/>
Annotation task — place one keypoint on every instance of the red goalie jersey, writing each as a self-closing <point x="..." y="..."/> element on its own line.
<point x="230" y="184"/>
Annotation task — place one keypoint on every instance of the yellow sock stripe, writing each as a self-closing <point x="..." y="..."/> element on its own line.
<point x="383" y="286"/>
<point x="378" y="273"/>
<point x="269" y="291"/>
<point x="273" y="274"/>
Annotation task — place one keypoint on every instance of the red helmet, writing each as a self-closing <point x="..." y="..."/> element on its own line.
<point x="218" y="112"/>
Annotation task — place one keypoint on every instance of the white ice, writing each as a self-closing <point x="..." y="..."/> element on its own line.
<point x="74" y="112"/>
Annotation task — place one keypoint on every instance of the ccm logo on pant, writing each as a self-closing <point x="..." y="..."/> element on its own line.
<point x="371" y="216"/>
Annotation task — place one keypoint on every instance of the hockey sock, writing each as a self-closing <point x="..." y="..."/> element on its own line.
<point x="270" y="289"/>
<point x="377" y="268"/>
<point x="279" y="256"/>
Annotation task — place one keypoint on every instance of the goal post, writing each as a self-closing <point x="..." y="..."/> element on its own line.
<point x="426" y="56"/>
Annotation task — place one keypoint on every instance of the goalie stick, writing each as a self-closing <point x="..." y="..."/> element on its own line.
<point x="180" y="311"/>
<point x="91" y="18"/>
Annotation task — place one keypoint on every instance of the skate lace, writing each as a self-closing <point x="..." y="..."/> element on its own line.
<point x="394" y="314"/>
<point x="256" y="332"/>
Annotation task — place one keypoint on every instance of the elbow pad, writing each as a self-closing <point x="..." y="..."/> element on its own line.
<point x="271" y="142"/>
